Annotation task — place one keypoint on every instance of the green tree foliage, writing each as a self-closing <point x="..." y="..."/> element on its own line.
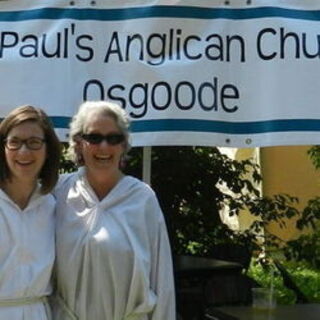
<point x="187" y="180"/>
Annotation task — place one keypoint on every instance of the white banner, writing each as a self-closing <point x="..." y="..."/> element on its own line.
<point x="226" y="73"/>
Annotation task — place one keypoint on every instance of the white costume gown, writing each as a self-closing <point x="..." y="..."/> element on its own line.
<point x="113" y="256"/>
<point x="26" y="257"/>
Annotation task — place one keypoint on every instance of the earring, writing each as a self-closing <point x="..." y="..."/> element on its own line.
<point x="122" y="162"/>
<point x="79" y="159"/>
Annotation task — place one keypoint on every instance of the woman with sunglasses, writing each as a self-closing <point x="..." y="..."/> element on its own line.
<point x="113" y="254"/>
<point x="29" y="162"/>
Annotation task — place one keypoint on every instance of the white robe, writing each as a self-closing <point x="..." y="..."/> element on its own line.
<point x="26" y="257"/>
<point x="113" y="256"/>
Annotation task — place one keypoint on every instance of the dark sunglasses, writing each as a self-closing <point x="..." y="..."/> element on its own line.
<point x="111" y="138"/>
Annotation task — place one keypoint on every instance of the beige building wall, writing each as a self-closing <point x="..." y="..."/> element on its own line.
<point x="284" y="169"/>
<point x="245" y="218"/>
<point x="288" y="169"/>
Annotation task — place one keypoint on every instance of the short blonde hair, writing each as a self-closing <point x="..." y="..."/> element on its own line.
<point x="79" y="121"/>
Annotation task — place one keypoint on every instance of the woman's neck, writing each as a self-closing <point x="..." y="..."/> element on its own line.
<point x="103" y="184"/>
<point x="19" y="193"/>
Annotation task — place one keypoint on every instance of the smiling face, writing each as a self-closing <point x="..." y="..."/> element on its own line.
<point x="25" y="164"/>
<point x="101" y="158"/>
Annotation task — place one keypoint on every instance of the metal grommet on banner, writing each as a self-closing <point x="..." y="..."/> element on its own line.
<point x="249" y="2"/>
<point x="72" y="3"/>
<point x="248" y="141"/>
<point x="227" y="2"/>
<point x="93" y="3"/>
<point x="228" y="140"/>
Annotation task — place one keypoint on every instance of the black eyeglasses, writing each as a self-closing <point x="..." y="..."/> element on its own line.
<point x="33" y="143"/>
<point x="111" y="138"/>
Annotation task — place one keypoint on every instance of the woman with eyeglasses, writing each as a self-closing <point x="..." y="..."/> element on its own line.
<point x="113" y="254"/>
<point x="29" y="162"/>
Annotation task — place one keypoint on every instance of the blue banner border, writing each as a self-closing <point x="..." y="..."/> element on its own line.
<point x="192" y="12"/>
<point x="191" y="125"/>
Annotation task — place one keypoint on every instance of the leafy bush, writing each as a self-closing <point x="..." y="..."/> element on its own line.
<point x="264" y="277"/>
<point x="187" y="180"/>
<point x="305" y="277"/>
<point x="305" y="248"/>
